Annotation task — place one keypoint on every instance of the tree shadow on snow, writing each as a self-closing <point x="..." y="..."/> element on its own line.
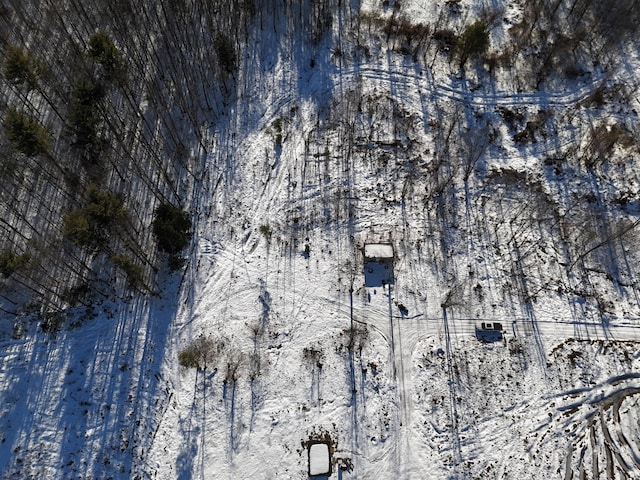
<point x="91" y="397"/>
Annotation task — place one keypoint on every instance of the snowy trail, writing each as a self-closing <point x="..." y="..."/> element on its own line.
<point x="378" y="314"/>
<point x="425" y="82"/>
<point x="515" y="328"/>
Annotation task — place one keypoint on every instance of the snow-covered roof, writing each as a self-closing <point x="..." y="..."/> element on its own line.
<point x="378" y="250"/>
<point x="319" y="459"/>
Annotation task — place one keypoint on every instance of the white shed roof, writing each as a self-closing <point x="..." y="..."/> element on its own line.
<point x="378" y="250"/>
<point x="319" y="459"/>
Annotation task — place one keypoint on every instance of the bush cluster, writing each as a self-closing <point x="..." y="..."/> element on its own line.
<point x="447" y="38"/>
<point x="473" y="42"/>
<point x="199" y="354"/>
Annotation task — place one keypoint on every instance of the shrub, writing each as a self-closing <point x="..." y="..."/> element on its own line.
<point x="11" y="261"/>
<point x="602" y="141"/>
<point x="266" y="231"/>
<point x="52" y="322"/>
<point x="189" y="357"/>
<point x="446" y="38"/>
<point x="19" y="68"/>
<point x="172" y="228"/>
<point x="413" y="31"/>
<point x="26" y="134"/>
<point x="200" y="354"/>
<point x="277" y="126"/>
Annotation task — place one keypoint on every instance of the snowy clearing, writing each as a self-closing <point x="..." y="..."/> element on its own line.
<point x="358" y="214"/>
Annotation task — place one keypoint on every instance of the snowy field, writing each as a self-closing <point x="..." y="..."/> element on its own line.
<point x="314" y="161"/>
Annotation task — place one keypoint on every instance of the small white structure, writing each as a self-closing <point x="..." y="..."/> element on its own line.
<point x="378" y="264"/>
<point x="319" y="459"/>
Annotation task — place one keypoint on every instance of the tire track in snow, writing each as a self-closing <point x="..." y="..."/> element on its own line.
<point x="402" y="447"/>
<point x="452" y="381"/>
<point x="599" y="422"/>
<point x="442" y="91"/>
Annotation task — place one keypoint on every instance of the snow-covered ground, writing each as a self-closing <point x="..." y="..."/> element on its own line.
<point x="315" y="160"/>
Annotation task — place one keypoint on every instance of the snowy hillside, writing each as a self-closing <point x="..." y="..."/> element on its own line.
<point x="504" y="181"/>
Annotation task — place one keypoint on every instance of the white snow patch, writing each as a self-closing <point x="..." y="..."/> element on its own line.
<point x="378" y="250"/>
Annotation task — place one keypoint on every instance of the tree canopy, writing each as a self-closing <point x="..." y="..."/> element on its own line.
<point x="103" y="51"/>
<point x="18" y="67"/>
<point x="92" y="225"/>
<point x="26" y="134"/>
<point x="172" y="228"/>
<point x="474" y="40"/>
